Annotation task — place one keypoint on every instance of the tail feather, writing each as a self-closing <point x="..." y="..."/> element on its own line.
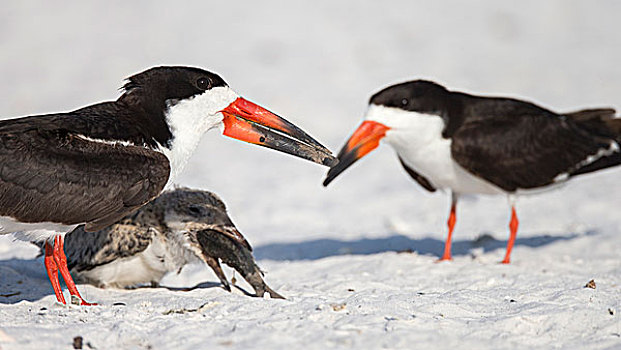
<point x="602" y="163"/>
<point x="615" y="126"/>
<point x="592" y="113"/>
<point x="603" y="123"/>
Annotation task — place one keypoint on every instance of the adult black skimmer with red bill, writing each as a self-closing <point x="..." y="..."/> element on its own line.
<point x="482" y="145"/>
<point x="97" y="164"/>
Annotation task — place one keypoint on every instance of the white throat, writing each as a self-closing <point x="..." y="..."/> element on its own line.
<point x="188" y="120"/>
<point x="418" y="140"/>
<point x="427" y="127"/>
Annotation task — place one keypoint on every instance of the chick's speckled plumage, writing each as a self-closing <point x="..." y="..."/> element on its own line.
<point x="179" y="227"/>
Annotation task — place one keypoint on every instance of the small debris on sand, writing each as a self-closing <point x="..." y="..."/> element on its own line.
<point x="206" y="306"/>
<point x="77" y="342"/>
<point x="338" y="307"/>
<point x="590" y="284"/>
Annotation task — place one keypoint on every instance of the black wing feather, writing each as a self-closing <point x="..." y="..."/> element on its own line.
<point x="418" y="177"/>
<point x="524" y="147"/>
<point x="49" y="173"/>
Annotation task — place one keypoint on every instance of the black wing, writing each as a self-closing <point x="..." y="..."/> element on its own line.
<point x="418" y="177"/>
<point x="48" y="173"/>
<point x="524" y="146"/>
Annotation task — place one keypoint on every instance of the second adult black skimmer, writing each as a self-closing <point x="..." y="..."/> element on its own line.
<point x="177" y="228"/>
<point x="95" y="165"/>
<point x="482" y="145"/>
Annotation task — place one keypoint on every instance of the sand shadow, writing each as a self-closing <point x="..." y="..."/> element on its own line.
<point x="202" y="285"/>
<point x="26" y="280"/>
<point x="321" y="248"/>
<point x="23" y="279"/>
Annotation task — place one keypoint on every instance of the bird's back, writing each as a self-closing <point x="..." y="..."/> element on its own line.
<point x="60" y="168"/>
<point x="518" y="145"/>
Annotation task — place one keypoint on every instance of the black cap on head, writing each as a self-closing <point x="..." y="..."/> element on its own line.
<point x="418" y="96"/>
<point x="169" y="82"/>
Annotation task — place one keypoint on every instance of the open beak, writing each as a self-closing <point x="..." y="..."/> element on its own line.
<point x="246" y="121"/>
<point x="365" y="139"/>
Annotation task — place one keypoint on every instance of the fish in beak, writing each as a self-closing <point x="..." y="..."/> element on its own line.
<point x="226" y="244"/>
<point x="249" y="122"/>
<point x="365" y="139"/>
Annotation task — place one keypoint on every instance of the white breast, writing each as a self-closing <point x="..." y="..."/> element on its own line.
<point x="124" y="272"/>
<point x="417" y="139"/>
<point x="189" y="120"/>
<point x="165" y="254"/>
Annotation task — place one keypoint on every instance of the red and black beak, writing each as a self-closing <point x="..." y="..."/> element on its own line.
<point x="246" y="121"/>
<point x="365" y="139"/>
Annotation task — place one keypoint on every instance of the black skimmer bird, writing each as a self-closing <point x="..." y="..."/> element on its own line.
<point x="482" y="145"/>
<point x="177" y="228"/>
<point x="95" y="165"/>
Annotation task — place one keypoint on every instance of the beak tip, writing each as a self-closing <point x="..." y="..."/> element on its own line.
<point x="328" y="179"/>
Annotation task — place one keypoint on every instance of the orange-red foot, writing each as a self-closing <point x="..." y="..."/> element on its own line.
<point x="447" y="255"/>
<point x="449" y="258"/>
<point x="52" y="272"/>
<point x="61" y="262"/>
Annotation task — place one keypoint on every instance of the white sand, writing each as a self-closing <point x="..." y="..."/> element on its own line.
<point x="333" y="252"/>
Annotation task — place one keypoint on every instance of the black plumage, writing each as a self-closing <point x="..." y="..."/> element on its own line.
<point x="417" y="177"/>
<point x="511" y="143"/>
<point x="98" y="163"/>
<point x="520" y="146"/>
<point x="482" y="145"/>
<point x="48" y="174"/>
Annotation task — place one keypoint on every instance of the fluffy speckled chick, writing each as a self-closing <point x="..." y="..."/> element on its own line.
<point x="179" y="227"/>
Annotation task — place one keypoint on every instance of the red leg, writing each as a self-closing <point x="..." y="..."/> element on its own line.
<point x="61" y="262"/>
<point x="52" y="272"/>
<point x="451" y="225"/>
<point x="513" y="226"/>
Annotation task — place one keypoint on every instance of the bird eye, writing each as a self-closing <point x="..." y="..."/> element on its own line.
<point x="203" y="83"/>
<point x="194" y="210"/>
<point x="404" y="101"/>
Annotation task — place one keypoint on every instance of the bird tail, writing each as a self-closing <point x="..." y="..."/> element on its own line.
<point x="602" y="117"/>
<point x="604" y="123"/>
<point x="592" y="114"/>
<point x="615" y="126"/>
